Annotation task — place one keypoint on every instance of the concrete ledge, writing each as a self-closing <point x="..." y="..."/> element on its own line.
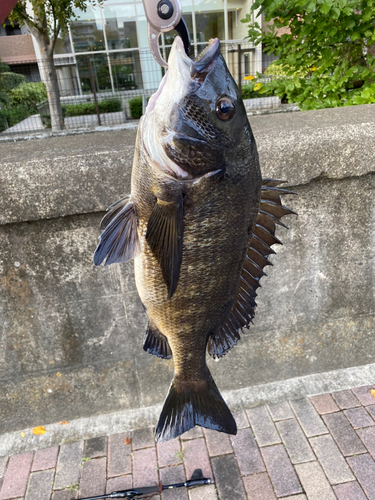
<point x="129" y="420"/>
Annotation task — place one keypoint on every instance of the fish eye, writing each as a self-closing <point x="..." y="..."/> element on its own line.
<point x="225" y="108"/>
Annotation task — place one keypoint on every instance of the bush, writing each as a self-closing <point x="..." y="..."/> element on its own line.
<point x="9" y="81"/>
<point x="29" y="95"/>
<point x="12" y="116"/>
<point x="88" y="108"/>
<point x="252" y="91"/>
<point x="136" y="106"/>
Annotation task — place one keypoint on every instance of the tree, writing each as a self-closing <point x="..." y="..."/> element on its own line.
<point x="46" y="19"/>
<point x="327" y="52"/>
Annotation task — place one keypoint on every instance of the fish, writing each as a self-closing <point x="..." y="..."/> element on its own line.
<point x="199" y="223"/>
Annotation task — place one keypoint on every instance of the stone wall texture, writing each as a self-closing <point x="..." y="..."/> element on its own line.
<point x="71" y="334"/>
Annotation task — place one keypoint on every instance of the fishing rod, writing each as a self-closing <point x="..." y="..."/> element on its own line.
<point x="197" y="479"/>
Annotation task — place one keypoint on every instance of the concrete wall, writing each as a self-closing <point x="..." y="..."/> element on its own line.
<point x="71" y="334"/>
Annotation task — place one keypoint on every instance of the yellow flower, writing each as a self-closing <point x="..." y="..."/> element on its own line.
<point x="257" y="86"/>
<point x="281" y="19"/>
<point x="250" y="77"/>
<point x="313" y="68"/>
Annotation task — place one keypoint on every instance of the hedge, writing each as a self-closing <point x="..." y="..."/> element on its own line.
<point x="12" y="116"/>
<point x="136" y="107"/>
<point x="88" y="108"/>
<point x="29" y="95"/>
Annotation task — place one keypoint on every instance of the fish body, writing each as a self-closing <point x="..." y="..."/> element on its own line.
<point x="189" y="222"/>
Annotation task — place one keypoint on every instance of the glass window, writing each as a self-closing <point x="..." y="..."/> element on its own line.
<point x="169" y="36"/>
<point x="142" y="26"/>
<point x="62" y="45"/>
<point x="120" y="26"/>
<point x="87" y="31"/>
<point x="99" y="71"/>
<point x="126" y="70"/>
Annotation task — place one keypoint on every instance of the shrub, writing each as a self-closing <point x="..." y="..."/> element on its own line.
<point x="9" y="81"/>
<point x="88" y="108"/>
<point x="12" y="116"/>
<point x="136" y="106"/>
<point x="29" y="95"/>
<point x="252" y="90"/>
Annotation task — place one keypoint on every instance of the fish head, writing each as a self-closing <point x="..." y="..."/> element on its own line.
<point x="197" y="116"/>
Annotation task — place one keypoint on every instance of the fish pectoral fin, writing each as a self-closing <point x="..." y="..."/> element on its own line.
<point x="240" y="316"/>
<point x="119" y="242"/>
<point x="191" y="403"/>
<point x="156" y="343"/>
<point x="164" y="235"/>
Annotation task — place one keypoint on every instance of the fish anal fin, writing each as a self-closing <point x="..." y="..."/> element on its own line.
<point x="164" y="235"/>
<point x="156" y="343"/>
<point x="119" y="242"/>
<point x="191" y="403"/>
<point x="242" y="312"/>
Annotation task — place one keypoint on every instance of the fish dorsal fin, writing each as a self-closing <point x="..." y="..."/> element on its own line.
<point x="156" y="343"/>
<point x="119" y="242"/>
<point x="242" y="312"/>
<point x="164" y="235"/>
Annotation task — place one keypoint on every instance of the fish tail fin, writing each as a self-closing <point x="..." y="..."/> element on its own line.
<point x="193" y="403"/>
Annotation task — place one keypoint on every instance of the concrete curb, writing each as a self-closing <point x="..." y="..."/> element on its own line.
<point x="111" y="423"/>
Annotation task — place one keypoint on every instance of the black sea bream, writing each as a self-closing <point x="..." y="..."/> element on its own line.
<point x="199" y="223"/>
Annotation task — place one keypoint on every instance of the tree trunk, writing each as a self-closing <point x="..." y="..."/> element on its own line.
<point x="53" y="92"/>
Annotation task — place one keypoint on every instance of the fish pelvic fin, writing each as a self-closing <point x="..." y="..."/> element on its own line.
<point x="156" y="343"/>
<point x="242" y="313"/>
<point x="119" y="242"/>
<point x="164" y="235"/>
<point x="191" y="403"/>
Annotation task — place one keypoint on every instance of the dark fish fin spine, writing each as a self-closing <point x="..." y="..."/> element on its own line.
<point x="164" y="235"/>
<point x="119" y="242"/>
<point x="270" y="212"/>
<point x="156" y="343"/>
<point x="193" y="403"/>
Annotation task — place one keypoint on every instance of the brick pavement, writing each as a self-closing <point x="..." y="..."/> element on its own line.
<point x="317" y="448"/>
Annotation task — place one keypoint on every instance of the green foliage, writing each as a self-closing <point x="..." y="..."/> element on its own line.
<point x="9" y="81"/>
<point x="135" y="106"/>
<point x="88" y="108"/>
<point x="328" y="56"/>
<point x="252" y="91"/>
<point x="12" y="116"/>
<point x="29" y="95"/>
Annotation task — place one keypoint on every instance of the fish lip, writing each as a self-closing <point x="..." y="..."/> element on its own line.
<point x="203" y="63"/>
<point x="171" y="134"/>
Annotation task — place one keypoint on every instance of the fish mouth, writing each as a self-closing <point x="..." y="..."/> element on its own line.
<point x="203" y="63"/>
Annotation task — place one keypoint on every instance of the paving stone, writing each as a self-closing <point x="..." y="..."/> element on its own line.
<point x="119" y="483"/>
<point x="40" y="485"/>
<point x="119" y="460"/>
<point x="363" y="467"/>
<point x="247" y="452"/>
<point x="68" y="494"/>
<point x="95" y="447"/>
<point x="295" y="441"/>
<point x="145" y="472"/>
<point x="196" y="456"/>
<point x="308" y="417"/>
<point x="93" y="477"/>
<point x="172" y="475"/>
<point x="368" y="439"/>
<point x="264" y="429"/>
<point x="241" y="419"/>
<point x="227" y="478"/>
<point x="280" y="411"/>
<point x="296" y="497"/>
<point x="344" y="434"/>
<point x="330" y="458"/>
<point x="259" y="487"/>
<point x="371" y="410"/>
<point x="16" y="475"/>
<point x="359" y="417"/>
<point x="218" y="443"/>
<point x="281" y="471"/>
<point x="203" y="493"/>
<point x="349" y="491"/>
<point x="143" y="438"/>
<point x="194" y="433"/>
<point x="324" y="403"/>
<point x="169" y="453"/>
<point x="68" y="465"/>
<point x="364" y="394"/>
<point x="3" y="464"/>
<point x="314" y="482"/>
<point x="345" y="399"/>
<point x="45" y="459"/>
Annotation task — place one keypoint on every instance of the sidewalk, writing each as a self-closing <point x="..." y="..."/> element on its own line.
<point x="317" y="448"/>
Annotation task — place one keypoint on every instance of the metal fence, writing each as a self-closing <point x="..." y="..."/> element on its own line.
<point x="98" y="89"/>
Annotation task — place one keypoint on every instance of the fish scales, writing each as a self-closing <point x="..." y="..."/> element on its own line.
<point x="194" y="227"/>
